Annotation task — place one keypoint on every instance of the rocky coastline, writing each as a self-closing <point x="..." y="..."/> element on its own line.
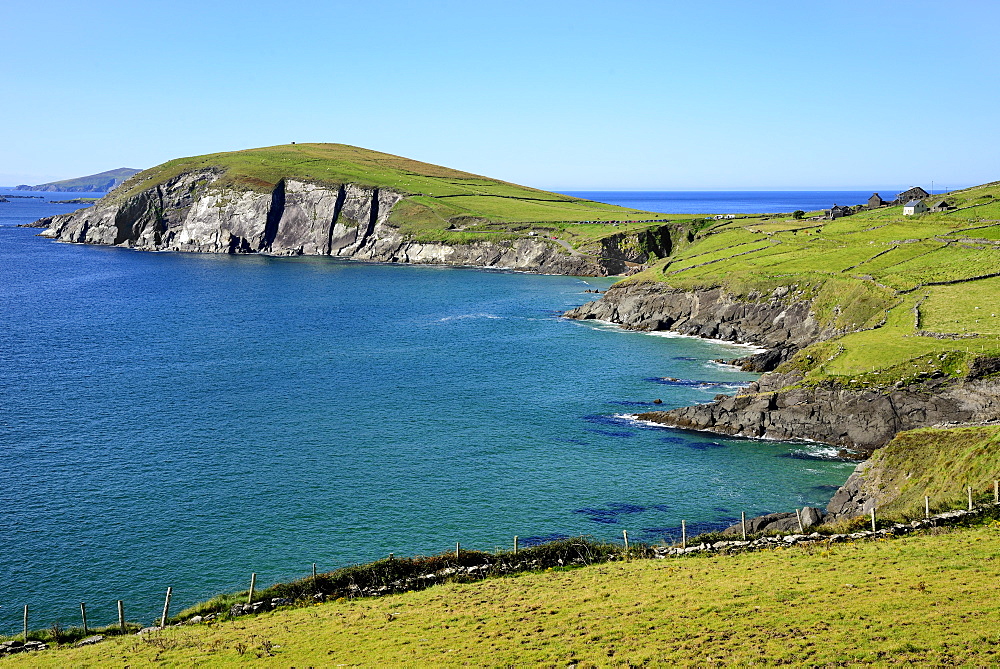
<point x="780" y="406"/>
<point x="189" y="213"/>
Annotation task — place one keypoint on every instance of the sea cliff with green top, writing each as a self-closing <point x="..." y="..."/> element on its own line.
<point x="344" y="201"/>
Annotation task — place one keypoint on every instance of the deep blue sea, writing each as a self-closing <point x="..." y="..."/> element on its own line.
<point x="731" y="202"/>
<point x="184" y="420"/>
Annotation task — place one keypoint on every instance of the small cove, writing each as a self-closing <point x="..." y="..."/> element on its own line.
<point x="184" y="420"/>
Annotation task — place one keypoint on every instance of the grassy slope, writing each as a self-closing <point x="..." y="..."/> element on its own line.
<point x="921" y="599"/>
<point x="868" y="271"/>
<point x="438" y="198"/>
<point x="938" y="463"/>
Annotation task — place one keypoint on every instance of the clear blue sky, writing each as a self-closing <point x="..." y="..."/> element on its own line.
<point x="558" y="95"/>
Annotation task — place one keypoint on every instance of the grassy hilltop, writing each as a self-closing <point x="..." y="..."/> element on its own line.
<point x="924" y="290"/>
<point x="441" y="204"/>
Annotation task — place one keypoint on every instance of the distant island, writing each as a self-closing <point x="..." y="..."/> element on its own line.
<point x="76" y="200"/>
<point x="94" y="183"/>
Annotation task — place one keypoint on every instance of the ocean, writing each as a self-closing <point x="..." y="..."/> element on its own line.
<point x="731" y="202"/>
<point x="183" y="420"/>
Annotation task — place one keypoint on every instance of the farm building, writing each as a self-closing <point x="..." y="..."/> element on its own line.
<point x="875" y="201"/>
<point x="941" y="206"/>
<point x="914" y="207"/>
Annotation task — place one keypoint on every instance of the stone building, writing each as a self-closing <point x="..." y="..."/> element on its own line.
<point x="915" y="193"/>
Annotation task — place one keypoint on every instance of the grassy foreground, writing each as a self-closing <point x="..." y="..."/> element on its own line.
<point x="920" y="599"/>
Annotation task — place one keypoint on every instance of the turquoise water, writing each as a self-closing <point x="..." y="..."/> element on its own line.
<point x="184" y="420"/>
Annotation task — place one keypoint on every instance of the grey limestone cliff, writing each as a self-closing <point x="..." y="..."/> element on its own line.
<point x="190" y="213"/>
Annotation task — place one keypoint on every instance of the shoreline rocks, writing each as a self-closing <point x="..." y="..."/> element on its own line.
<point x="856" y="420"/>
<point x="781" y="406"/>
<point x="781" y="322"/>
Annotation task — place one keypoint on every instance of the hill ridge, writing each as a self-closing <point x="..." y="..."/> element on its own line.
<point x="92" y="183"/>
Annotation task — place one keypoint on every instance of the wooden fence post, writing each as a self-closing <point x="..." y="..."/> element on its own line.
<point x="743" y="522"/>
<point x="83" y="614"/>
<point x="314" y="573"/>
<point x="927" y="506"/>
<point x="166" y="607"/>
<point x="873" y="520"/>
<point x="121" y="616"/>
<point x="970" y="498"/>
<point x="684" y="535"/>
<point x="996" y="492"/>
<point x="458" y="550"/>
<point x="25" y="623"/>
<point x="253" y="584"/>
<point x="515" y="544"/>
<point x="625" y="534"/>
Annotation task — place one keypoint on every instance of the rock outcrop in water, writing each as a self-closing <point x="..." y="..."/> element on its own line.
<point x="188" y="213"/>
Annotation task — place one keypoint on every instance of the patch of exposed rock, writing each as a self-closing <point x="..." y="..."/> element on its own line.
<point x="801" y="520"/>
<point x="14" y="647"/>
<point x="858" y="420"/>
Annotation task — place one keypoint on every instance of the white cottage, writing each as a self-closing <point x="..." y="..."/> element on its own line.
<point x="914" y="207"/>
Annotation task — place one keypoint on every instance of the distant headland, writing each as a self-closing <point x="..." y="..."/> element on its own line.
<point x="94" y="183"/>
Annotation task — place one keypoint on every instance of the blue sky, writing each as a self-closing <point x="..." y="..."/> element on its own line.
<point x="557" y="95"/>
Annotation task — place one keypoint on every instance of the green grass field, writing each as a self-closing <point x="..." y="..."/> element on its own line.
<point x="876" y="269"/>
<point x="924" y="600"/>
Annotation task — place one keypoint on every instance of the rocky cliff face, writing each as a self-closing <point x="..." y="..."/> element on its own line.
<point x="188" y="213"/>
<point x="781" y="321"/>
